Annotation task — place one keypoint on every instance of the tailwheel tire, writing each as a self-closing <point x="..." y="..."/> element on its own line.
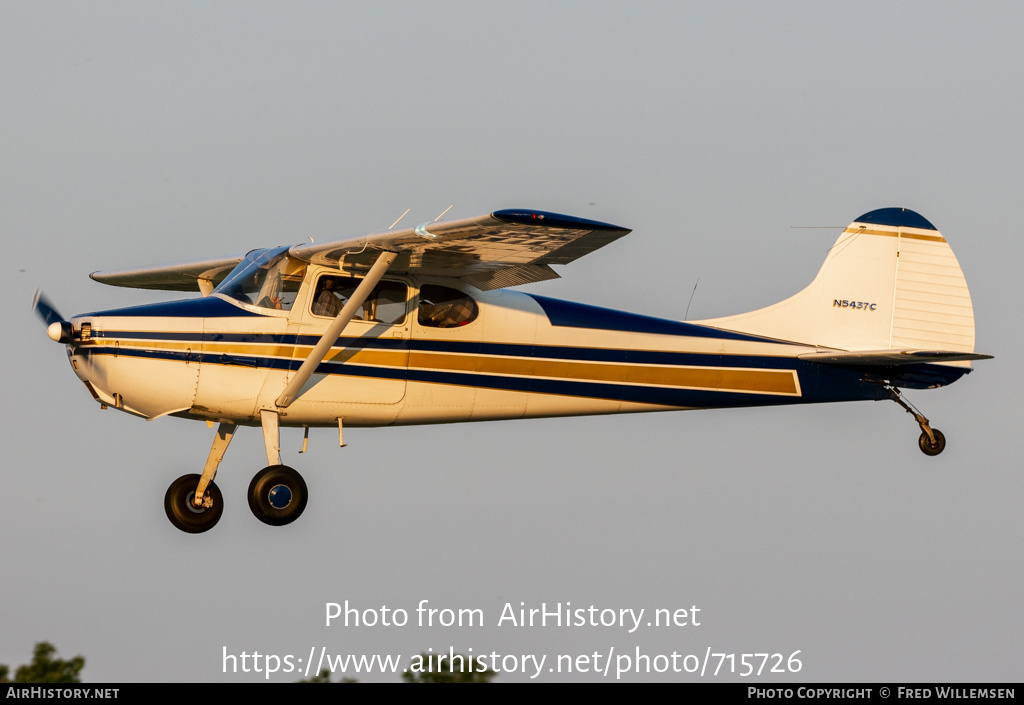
<point x="178" y="503"/>
<point x="929" y="448"/>
<point x="277" y="495"/>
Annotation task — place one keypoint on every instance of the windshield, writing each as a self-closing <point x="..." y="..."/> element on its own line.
<point x="265" y="278"/>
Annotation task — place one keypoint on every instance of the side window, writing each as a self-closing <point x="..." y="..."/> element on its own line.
<point x="444" y="307"/>
<point x="385" y="304"/>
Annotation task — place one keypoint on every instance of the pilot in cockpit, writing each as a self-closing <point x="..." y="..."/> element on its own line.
<point x="272" y="290"/>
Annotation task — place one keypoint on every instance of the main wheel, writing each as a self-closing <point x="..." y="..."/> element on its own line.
<point x="277" y="495"/>
<point x="929" y="448"/>
<point x="178" y="503"/>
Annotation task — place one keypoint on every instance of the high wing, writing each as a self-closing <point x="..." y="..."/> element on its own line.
<point x="505" y="248"/>
<point x="188" y="276"/>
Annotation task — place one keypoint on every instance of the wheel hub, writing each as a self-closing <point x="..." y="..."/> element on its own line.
<point x="190" y="502"/>
<point x="280" y="496"/>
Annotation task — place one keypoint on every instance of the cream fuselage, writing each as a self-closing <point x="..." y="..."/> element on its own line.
<point x="217" y="359"/>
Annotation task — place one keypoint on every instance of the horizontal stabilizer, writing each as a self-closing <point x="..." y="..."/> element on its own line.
<point x="887" y="358"/>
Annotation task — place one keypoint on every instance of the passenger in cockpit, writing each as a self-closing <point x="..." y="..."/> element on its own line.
<point x="326" y="301"/>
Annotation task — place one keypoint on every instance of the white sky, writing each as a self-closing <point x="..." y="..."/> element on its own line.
<point x="138" y="133"/>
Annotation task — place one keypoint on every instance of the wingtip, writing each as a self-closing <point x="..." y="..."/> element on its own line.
<point x="554" y="220"/>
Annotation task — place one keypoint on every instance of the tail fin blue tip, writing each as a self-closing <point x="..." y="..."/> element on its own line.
<point x="897" y="217"/>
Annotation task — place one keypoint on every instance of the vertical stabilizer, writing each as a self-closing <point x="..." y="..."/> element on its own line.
<point x="891" y="281"/>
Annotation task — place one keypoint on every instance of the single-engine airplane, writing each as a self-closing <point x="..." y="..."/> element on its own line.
<point x="418" y="326"/>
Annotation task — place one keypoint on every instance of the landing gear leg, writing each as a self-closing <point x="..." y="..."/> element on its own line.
<point x="931" y="442"/>
<point x="271" y="435"/>
<point x="225" y="432"/>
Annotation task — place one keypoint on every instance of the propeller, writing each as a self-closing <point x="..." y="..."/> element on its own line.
<point x="56" y="327"/>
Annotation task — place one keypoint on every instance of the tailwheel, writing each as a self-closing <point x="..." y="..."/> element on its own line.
<point x="929" y="447"/>
<point x="931" y="442"/>
<point x="179" y="503"/>
<point x="277" y="495"/>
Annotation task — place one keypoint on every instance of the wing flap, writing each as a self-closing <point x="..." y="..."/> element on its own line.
<point x="511" y="276"/>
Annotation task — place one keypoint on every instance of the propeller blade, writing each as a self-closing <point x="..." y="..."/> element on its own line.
<point x="45" y="309"/>
<point x="56" y="327"/>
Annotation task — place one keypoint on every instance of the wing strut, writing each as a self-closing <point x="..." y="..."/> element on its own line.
<point x="323" y="346"/>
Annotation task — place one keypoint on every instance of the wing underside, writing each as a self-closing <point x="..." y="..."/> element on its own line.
<point x="188" y="276"/>
<point x="504" y="248"/>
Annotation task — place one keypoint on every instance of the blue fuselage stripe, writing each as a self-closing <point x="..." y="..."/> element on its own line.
<point x="548" y="352"/>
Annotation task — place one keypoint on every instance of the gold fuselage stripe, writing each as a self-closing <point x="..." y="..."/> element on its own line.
<point x="732" y="379"/>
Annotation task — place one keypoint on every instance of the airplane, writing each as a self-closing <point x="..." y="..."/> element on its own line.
<point x="419" y="326"/>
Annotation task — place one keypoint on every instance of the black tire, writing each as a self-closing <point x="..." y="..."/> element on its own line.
<point x="929" y="448"/>
<point x="277" y="495"/>
<point x="183" y="514"/>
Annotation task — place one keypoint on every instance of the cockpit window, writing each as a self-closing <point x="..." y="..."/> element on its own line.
<point x="266" y="278"/>
<point x="444" y="307"/>
<point x="385" y="304"/>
